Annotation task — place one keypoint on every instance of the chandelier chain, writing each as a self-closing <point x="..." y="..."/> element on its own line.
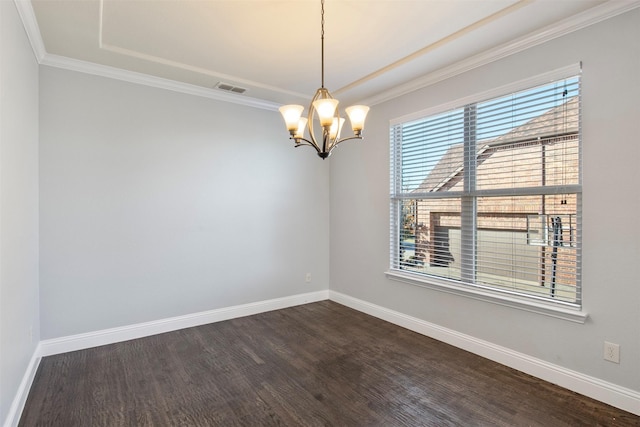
<point x="322" y="41"/>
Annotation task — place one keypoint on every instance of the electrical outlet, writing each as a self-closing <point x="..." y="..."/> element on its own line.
<point x="307" y="278"/>
<point x="611" y="352"/>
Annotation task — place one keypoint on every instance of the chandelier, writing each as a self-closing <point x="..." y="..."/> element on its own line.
<point x="324" y="109"/>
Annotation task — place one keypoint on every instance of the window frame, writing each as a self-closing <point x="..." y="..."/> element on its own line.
<point x="570" y="312"/>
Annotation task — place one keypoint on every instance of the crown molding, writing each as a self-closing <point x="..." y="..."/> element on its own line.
<point x="152" y="81"/>
<point x="28" y="17"/>
<point x="562" y="28"/>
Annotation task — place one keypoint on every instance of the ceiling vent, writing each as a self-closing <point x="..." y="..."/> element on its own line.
<point x="230" y="88"/>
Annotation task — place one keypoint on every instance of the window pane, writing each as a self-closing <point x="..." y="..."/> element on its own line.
<point x="431" y="148"/>
<point x="529" y="139"/>
<point x="429" y="242"/>
<point x="524" y="244"/>
<point x="528" y="244"/>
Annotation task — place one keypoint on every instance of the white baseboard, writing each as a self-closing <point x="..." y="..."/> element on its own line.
<point x="140" y="330"/>
<point x="611" y="394"/>
<point x="15" y="410"/>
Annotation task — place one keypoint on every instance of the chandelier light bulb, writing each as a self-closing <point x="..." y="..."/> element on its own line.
<point x="302" y="123"/>
<point x="326" y="109"/>
<point x="336" y="128"/>
<point x="291" y="115"/>
<point x="357" y="114"/>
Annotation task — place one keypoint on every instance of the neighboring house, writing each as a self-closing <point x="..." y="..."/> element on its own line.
<point x="524" y="231"/>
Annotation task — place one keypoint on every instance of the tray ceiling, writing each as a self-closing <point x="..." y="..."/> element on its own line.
<point x="272" y="48"/>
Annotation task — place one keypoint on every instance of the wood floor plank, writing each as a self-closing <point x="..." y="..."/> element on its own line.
<point x="319" y="364"/>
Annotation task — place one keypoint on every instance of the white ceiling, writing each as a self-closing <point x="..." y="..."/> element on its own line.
<point x="373" y="48"/>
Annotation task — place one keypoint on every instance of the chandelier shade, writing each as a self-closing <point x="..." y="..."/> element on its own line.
<point x="323" y="111"/>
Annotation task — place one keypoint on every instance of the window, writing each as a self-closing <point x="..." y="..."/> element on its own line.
<point x="487" y="196"/>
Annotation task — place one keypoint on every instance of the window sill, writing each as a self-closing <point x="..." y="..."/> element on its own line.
<point x="550" y="310"/>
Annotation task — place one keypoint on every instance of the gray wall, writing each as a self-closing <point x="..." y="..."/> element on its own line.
<point x="19" y="318"/>
<point x="156" y="204"/>
<point x="360" y="209"/>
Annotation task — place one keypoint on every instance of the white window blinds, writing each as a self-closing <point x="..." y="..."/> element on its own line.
<point x="488" y="195"/>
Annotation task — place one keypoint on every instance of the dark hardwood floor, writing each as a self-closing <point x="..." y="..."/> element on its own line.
<point x="319" y="364"/>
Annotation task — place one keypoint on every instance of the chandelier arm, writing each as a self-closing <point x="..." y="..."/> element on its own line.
<point x="313" y="141"/>
<point x="306" y="142"/>
<point x="345" y="139"/>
